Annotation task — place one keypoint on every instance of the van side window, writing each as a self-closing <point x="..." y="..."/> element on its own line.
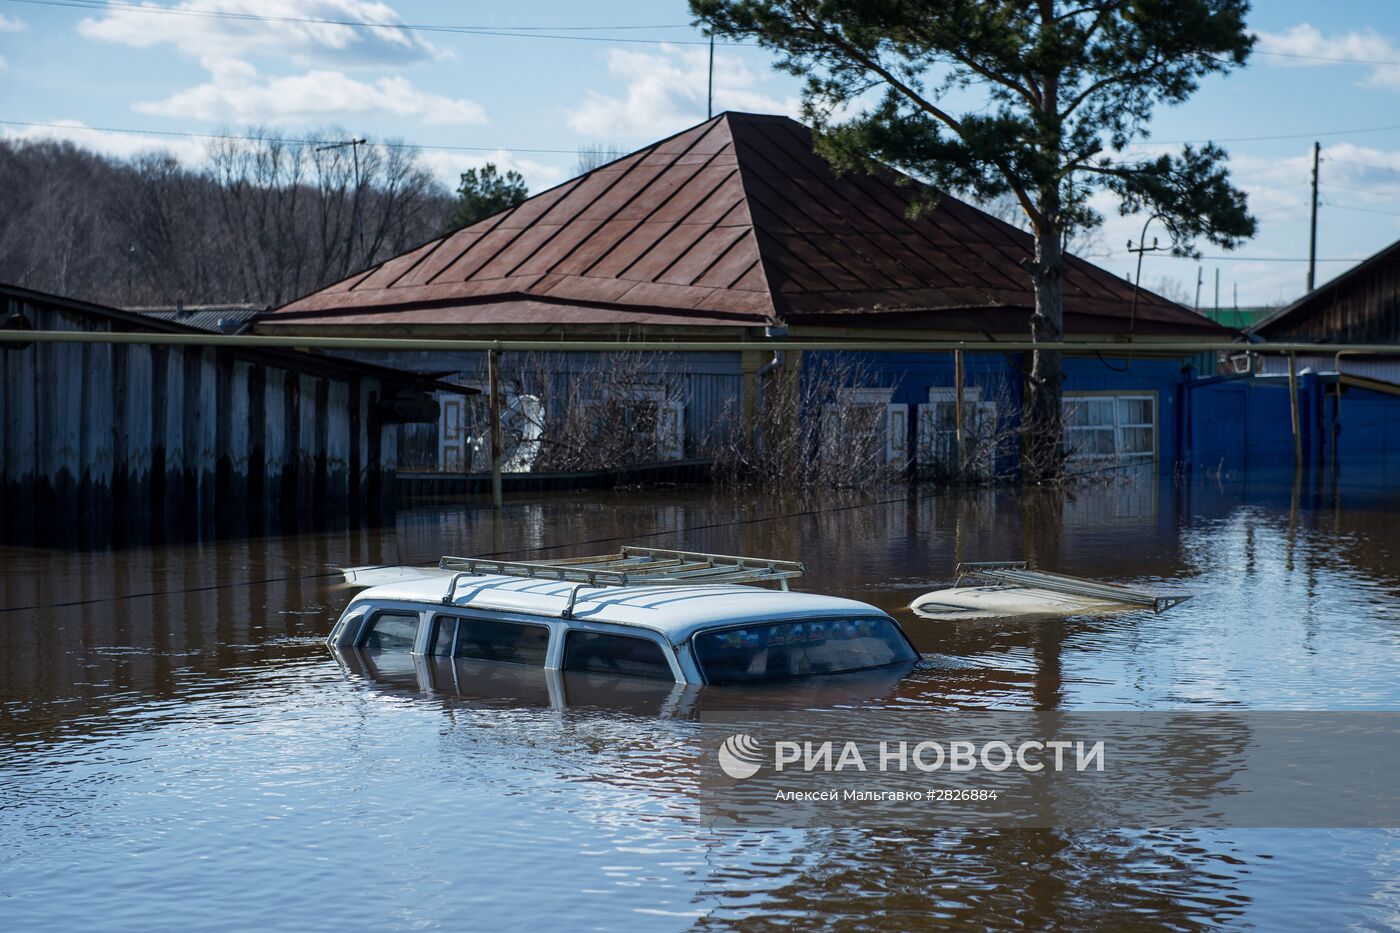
<point x="391" y="630"/>
<point x="623" y="655"/>
<point x="490" y="640"/>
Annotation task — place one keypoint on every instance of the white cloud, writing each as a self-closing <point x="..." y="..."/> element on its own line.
<point x="243" y="50"/>
<point x="1304" y="46"/>
<point x="448" y="167"/>
<point x="666" y="92"/>
<point x="10" y="24"/>
<point x="3" y="64"/>
<point x="274" y="28"/>
<point x="238" y="93"/>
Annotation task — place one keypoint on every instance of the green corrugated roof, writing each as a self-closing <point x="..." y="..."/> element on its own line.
<point x="1238" y="318"/>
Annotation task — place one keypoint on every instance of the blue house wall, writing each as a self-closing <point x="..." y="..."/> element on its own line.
<point x="1237" y="424"/>
<point x="1229" y="424"/>
<point x="999" y="377"/>
<point x="1369" y="428"/>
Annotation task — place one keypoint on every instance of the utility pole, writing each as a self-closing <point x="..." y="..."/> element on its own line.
<point x="1312" y="238"/>
<point x="1140" y="249"/>
<point x="710" y="94"/>
<point x="355" y="234"/>
<point x="1217" y="293"/>
<point x="1200" y="278"/>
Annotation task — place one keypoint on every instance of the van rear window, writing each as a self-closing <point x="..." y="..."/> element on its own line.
<point x="797" y="649"/>
<point x="623" y="655"/>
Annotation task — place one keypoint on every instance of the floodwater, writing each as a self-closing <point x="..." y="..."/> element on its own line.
<point x="178" y="748"/>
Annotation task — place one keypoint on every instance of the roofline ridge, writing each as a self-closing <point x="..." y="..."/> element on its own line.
<point x="1385" y="252"/>
<point x="494" y="297"/>
<point x="775" y="301"/>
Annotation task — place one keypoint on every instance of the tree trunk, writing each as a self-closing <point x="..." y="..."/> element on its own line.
<point x="1042" y="454"/>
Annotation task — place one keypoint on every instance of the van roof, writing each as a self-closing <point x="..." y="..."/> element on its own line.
<point x="677" y="612"/>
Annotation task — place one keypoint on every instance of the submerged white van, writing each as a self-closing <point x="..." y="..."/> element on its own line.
<point x="681" y="616"/>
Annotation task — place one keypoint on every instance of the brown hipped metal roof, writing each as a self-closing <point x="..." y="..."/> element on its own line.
<point x="734" y="222"/>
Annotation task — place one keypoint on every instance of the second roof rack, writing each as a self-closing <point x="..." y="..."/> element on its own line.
<point x="1017" y="573"/>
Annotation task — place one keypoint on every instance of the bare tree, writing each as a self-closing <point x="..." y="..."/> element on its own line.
<point x="1084" y="242"/>
<point x="592" y="156"/>
<point x="1174" y="290"/>
<point x="810" y="433"/>
<point x="990" y="438"/>
<point x="601" y="412"/>
<point x="263" y="220"/>
<point x="305" y="214"/>
<point x="53" y="233"/>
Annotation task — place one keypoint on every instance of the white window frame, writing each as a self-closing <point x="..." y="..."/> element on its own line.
<point x="669" y="436"/>
<point x="977" y="416"/>
<point x="896" y="417"/>
<point x="1119" y="426"/>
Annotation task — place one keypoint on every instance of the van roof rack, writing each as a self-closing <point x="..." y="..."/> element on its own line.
<point x="637" y="566"/>
<point x="1018" y="573"/>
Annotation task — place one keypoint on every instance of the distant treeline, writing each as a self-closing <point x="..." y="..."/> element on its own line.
<point x="263" y="221"/>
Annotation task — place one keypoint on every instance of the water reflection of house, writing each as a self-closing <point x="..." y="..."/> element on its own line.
<point x="733" y="230"/>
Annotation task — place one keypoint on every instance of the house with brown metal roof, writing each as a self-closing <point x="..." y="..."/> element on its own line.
<point x="735" y="228"/>
<point x="730" y="225"/>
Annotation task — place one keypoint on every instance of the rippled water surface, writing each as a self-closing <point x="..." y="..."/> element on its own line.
<point x="180" y="750"/>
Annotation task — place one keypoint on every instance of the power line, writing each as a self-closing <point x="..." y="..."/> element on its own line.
<point x="506" y="30"/>
<point x="1370" y="192"/>
<point x="1251" y="139"/>
<point x="555" y="32"/>
<point x="1362" y="210"/>
<point x="523" y="32"/>
<point x="1253" y="258"/>
<point x="447" y="148"/>
<point x="1326" y="58"/>
<point x="1374" y="168"/>
<point x="275" y="139"/>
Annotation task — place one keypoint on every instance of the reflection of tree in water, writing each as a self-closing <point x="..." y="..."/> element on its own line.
<point x="1042" y="527"/>
<point x="975" y="880"/>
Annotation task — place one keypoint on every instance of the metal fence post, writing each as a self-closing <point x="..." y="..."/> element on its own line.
<point x="958" y="425"/>
<point x="1293" y="409"/>
<point x="493" y="375"/>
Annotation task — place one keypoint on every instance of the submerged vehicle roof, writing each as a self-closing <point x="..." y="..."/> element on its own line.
<point x="676" y="612"/>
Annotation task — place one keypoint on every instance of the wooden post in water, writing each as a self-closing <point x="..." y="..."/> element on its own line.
<point x="958" y="409"/>
<point x="749" y="365"/>
<point x="1293" y="409"/>
<point x="493" y="376"/>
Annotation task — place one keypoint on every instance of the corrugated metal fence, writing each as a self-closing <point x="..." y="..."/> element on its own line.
<point x="95" y="434"/>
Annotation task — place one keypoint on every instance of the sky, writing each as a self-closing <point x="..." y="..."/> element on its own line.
<point x="526" y="85"/>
